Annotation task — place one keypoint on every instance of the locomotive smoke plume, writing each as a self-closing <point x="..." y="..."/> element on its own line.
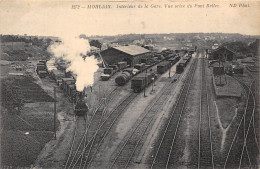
<point x="72" y="49"/>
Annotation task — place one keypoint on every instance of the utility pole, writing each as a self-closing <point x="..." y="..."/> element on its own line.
<point x="170" y="72"/>
<point x="152" y="83"/>
<point x="145" y="83"/>
<point x="55" y="113"/>
<point x="144" y="89"/>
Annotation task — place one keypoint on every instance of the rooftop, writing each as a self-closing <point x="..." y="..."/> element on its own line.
<point x="222" y="47"/>
<point x="132" y="49"/>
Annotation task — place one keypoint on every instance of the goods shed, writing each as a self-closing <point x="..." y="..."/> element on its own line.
<point x="223" y="52"/>
<point x="131" y="54"/>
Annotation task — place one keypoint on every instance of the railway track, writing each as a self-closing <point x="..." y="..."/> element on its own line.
<point x="95" y="142"/>
<point x="164" y="157"/>
<point x="243" y="154"/>
<point x="92" y="125"/>
<point x="105" y="128"/>
<point x="250" y="148"/>
<point x="76" y="136"/>
<point x="124" y="155"/>
<point x="205" y="156"/>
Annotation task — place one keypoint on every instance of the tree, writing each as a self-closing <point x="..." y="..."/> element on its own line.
<point x="95" y="43"/>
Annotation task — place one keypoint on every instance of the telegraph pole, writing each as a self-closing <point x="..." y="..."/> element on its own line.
<point x="55" y="113"/>
<point x="152" y="83"/>
<point x="145" y="83"/>
<point x="170" y="72"/>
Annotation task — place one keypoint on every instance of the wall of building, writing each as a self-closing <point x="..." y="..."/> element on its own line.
<point x="137" y="58"/>
<point x="112" y="56"/>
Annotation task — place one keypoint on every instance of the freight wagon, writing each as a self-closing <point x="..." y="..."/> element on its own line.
<point x="64" y="80"/>
<point x="188" y="58"/>
<point x="69" y="89"/>
<point x="139" y="82"/>
<point x="56" y="75"/>
<point x="66" y="87"/>
<point x="149" y="61"/>
<point x="41" y="70"/>
<point x="121" y="65"/>
<point x="140" y="67"/>
<point x="174" y="60"/>
<point x="182" y="64"/>
<point x="170" y="56"/>
<point x="115" y="67"/>
<point x="163" y="66"/>
<point x="108" y="72"/>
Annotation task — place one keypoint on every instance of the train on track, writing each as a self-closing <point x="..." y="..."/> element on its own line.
<point x="41" y="69"/>
<point x="66" y="81"/>
<point x="139" y="82"/>
<point x="183" y="63"/>
<point x="147" y="63"/>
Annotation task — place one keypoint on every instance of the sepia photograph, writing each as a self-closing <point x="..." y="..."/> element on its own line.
<point x="129" y="84"/>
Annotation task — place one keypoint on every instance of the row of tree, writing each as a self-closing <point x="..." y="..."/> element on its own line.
<point x="34" y="40"/>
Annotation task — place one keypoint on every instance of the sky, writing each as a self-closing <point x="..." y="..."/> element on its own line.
<point x="56" y="18"/>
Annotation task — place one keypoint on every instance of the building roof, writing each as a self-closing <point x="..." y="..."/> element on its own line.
<point x="224" y="47"/>
<point x="132" y="49"/>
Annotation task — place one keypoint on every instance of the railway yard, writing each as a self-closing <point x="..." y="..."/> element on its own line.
<point x="174" y="112"/>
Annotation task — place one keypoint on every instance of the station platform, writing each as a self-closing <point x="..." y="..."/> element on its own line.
<point x="229" y="88"/>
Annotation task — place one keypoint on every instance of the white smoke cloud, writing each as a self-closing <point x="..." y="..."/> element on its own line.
<point x="72" y="49"/>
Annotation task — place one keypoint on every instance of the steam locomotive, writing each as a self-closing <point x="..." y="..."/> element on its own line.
<point x="80" y="106"/>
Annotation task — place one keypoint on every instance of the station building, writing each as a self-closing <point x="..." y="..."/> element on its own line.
<point x="224" y="52"/>
<point x="131" y="54"/>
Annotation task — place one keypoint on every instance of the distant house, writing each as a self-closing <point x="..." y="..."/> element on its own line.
<point x="223" y="52"/>
<point x="189" y="44"/>
<point x="197" y="37"/>
<point x="132" y="54"/>
<point x="209" y="38"/>
<point x="94" y="50"/>
<point x="149" y="47"/>
<point x="215" y="46"/>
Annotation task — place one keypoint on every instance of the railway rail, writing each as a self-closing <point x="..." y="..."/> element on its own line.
<point x="130" y="145"/>
<point x="104" y="129"/>
<point x="91" y="148"/>
<point x="93" y="125"/>
<point x="164" y="157"/>
<point x="250" y="148"/>
<point x="240" y="155"/>
<point x="73" y="149"/>
<point x="205" y="156"/>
